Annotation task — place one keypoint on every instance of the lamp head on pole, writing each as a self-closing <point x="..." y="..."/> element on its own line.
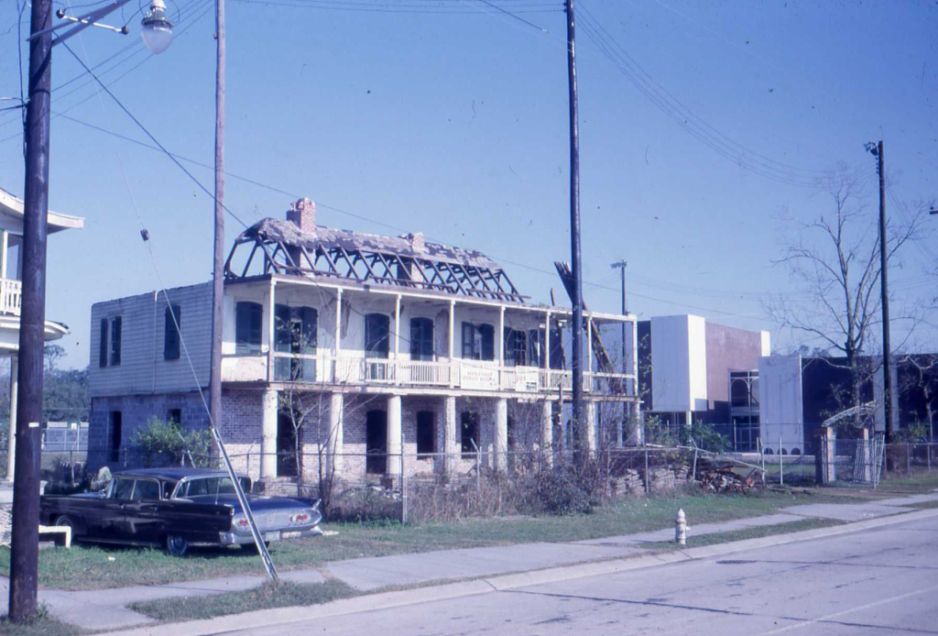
<point x="156" y="29"/>
<point x="872" y="148"/>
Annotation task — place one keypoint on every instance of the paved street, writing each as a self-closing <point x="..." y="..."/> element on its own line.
<point x="878" y="581"/>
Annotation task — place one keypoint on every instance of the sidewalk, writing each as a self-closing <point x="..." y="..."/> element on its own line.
<point x="106" y="609"/>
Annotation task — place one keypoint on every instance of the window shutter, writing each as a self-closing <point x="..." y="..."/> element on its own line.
<point x="171" y="336"/>
<point x="116" y="341"/>
<point x="488" y="341"/>
<point x="102" y="345"/>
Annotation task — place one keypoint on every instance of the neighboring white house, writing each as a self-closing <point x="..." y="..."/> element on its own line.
<point x="11" y="263"/>
<point x="397" y="338"/>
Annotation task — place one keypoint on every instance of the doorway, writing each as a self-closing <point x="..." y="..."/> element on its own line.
<point x="376" y="426"/>
<point x="286" y="446"/>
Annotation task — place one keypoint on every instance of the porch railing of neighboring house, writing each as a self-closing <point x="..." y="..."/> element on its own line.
<point x="11" y="294"/>
<point x="354" y="368"/>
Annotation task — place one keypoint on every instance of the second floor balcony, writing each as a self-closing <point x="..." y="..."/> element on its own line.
<point x="11" y="294"/>
<point x="353" y="368"/>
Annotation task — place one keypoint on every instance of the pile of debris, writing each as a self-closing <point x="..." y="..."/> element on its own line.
<point x="714" y="476"/>
<point x="629" y="484"/>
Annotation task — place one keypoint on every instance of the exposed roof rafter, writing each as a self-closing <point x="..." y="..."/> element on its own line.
<point x="368" y="259"/>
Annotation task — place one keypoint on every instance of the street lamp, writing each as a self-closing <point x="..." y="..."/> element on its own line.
<point x="24" y="557"/>
<point x="156" y="30"/>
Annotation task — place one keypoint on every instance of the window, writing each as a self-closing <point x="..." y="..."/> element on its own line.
<point x="536" y="347"/>
<point x="295" y="333"/>
<point x="174" y="415"/>
<point x="421" y="339"/>
<point x="377" y="330"/>
<point x="123" y="489"/>
<point x="248" y="318"/>
<point x="172" y="321"/>
<point x="102" y="345"/>
<point x="115" y="341"/>
<point x="109" y="350"/>
<point x="516" y="348"/>
<point x="469" y="427"/>
<point x="14" y="256"/>
<point x="115" y="426"/>
<point x="147" y="489"/>
<point x="425" y="434"/>
<point x="295" y="329"/>
<point x="478" y="341"/>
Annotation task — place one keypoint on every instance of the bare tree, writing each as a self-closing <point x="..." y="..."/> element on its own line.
<point x="836" y="260"/>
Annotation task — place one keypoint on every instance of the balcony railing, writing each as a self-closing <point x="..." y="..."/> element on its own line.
<point x="11" y="295"/>
<point x="352" y="368"/>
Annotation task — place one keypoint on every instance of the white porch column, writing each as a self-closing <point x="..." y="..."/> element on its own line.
<point x="14" y="387"/>
<point x="269" y="435"/>
<point x="336" y="442"/>
<point x="449" y="447"/>
<point x="501" y="434"/>
<point x="394" y="436"/>
<point x="3" y="252"/>
<point x="830" y="451"/>
<point x="271" y="328"/>
<point x="547" y="424"/>
<point x="589" y="431"/>
<point x="500" y="338"/>
<point x="397" y="338"/>
<point x="452" y="346"/>
<point x="337" y="343"/>
<point x="589" y="351"/>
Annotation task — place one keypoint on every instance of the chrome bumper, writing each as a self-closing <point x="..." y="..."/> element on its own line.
<point x="236" y="538"/>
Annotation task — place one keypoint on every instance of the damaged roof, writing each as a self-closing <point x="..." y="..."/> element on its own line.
<point x="289" y="234"/>
<point x="403" y="261"/>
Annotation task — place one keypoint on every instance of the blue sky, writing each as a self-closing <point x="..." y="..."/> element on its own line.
<point x="449" y="117"/>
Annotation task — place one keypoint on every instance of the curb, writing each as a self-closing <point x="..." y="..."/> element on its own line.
<point x="488" y="585"/>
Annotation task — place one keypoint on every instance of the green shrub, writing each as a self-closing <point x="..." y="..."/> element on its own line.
<point x="165" y="442"/>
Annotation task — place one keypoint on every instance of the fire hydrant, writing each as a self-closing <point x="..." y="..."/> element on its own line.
<point x="680" y="528"/>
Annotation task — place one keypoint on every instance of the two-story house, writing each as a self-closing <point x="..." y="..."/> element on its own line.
<point x="389" y="347"/>
<point x="11" y="265"/>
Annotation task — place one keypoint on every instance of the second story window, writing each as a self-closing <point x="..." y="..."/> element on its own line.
<point x="102" y="344"/>
<point x="115" y="341"/>
<point x="295" y="329"/>
<point x="109" y="343"/>
<point x="377" y="332"/>
<point x="478" y="341"/>
<point x="172" y="321"/>
<point x="516" y="348"/>
<point x="248" y="319"/>
<point x="421" y="339"/>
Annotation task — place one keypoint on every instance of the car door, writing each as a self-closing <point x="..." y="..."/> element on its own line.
<point x="142" y="519"/>
<point x="110" y="524"/>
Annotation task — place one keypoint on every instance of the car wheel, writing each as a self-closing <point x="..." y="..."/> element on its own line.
<point x="67" y="522"/>
<point x="177" y="545"/>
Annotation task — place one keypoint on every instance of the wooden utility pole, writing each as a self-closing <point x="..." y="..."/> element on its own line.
<point x="884" y="293"/>
<point x="575" y="255"/>
<point x="214" y="383"/>
<point x="24" y="558"/>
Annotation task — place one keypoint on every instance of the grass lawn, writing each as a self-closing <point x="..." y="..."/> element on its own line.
<point x="917" y="482"/>
<point x="42" y="625"/>
<point x="92" y="567"/>
<point x="265" y="597"/>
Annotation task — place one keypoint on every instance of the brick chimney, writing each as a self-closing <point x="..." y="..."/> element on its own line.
<point x="416" y="240"/>
<point x="303" y="213"/>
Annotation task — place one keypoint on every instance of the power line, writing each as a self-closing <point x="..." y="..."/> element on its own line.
<point x="181" y="158"/>
<point x="666" y="102"/>
<point x="150" y="135"/>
